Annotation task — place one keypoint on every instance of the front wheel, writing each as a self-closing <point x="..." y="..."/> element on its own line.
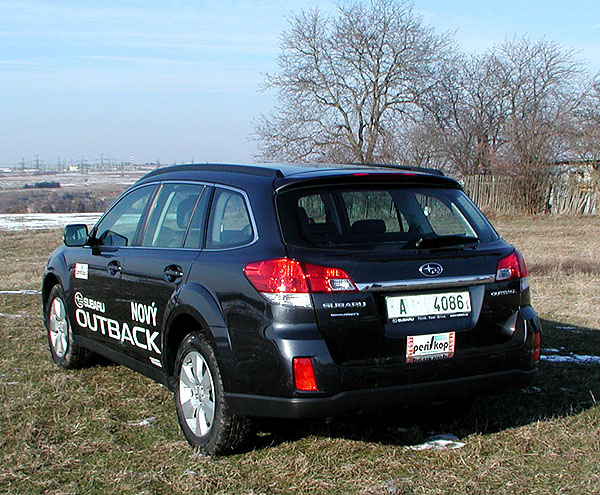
<point x="202" y="409"/>
<point x="65" y="352"/>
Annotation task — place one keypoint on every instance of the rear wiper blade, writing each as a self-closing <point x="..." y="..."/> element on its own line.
<point x="432" y="241"/>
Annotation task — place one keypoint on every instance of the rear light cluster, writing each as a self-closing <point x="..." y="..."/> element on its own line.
<point x="290" y="282"/>
<point x="511" y="267"/>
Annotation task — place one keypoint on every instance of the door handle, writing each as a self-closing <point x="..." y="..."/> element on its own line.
<point x="114" y="267"/>
<point x="173" y="272"/>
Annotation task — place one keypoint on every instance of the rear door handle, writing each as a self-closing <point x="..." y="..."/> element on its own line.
<point x="173" y="272"/>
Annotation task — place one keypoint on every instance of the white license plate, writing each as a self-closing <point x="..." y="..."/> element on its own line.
<point x="422" y="347"/>
<point x="444" y="303"/>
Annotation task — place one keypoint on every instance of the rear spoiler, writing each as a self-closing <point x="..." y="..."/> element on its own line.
<point x="404" y="176"/>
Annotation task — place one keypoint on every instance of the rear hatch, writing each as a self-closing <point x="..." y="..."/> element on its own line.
<point x="421" y="264"/>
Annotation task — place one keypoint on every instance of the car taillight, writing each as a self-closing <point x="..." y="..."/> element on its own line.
<point x="323" y="279"/>
<point x="511" y="267"/>
<point x="304" y="375"/>
<point x="289" y="282"/>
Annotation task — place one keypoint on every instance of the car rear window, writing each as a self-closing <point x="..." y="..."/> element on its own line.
<point x="380" y="217"/>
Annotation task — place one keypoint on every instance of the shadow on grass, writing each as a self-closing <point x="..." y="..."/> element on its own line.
<point x="561" y="389"/>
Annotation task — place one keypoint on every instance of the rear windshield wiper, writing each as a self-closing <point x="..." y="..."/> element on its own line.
<point x="434" y="241"/>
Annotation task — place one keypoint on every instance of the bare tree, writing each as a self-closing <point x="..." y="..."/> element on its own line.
<point x="585" y="141"/>
<point x="347" y="84"/>
<point x="462" y="119"/>
<point x="544" y="85"/>
<point x="510" y="110"/>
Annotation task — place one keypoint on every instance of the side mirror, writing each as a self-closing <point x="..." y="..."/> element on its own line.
<point x="75" y="235"/>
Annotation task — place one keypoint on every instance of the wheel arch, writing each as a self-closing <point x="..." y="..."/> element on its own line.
<point x="56" y="273"/>
<point x="195" y="311"/>
<point x="50" y="280"/>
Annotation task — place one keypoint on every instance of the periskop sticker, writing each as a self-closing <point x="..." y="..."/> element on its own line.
<point x="81" y="271"/>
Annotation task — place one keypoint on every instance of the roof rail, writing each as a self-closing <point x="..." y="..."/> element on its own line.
<point x="214" y="167"/>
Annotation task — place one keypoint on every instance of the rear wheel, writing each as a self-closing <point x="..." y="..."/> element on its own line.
<point x="202" y="409"/>
<point x="65" y="352"/>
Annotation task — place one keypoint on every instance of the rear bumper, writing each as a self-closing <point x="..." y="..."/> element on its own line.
<point x="378" y="399"/>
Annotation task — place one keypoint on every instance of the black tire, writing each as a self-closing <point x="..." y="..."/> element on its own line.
<point x="65" y="352"/>
<point x="202" y="409"/>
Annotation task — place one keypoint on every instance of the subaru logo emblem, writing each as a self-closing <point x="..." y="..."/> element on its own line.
<point x="431" y="269"/>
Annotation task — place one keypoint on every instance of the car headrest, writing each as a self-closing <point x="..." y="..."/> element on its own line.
<point x="184" y="211"/>
<point x="369" y="226"/>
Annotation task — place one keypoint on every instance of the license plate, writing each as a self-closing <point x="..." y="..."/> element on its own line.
<point x="428" y="305"/>
<point x="435" y="346"/>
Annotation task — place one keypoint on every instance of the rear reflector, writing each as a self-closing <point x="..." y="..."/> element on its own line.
<point x="511" y="267"/>
<point x="537" y="347"/>
<point x="304" y="375"/>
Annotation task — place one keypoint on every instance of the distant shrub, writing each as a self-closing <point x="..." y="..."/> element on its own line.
<point x="35" y="200"/>
<point x="43" y="185"/>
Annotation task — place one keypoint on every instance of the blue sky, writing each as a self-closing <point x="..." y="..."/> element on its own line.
<point x="179" y="80"/>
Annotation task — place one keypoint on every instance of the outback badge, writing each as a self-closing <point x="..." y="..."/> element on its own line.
<point x="431" y="269"/>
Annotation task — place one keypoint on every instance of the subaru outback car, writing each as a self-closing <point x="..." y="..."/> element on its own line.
<point x="294" y="291"/>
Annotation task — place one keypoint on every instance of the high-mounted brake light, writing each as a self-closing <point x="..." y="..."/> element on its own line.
<point x="511" y="267"/>
<point x="289" y="282"/>
<point x="384" y="175"/>
<point x="304" y="375"/>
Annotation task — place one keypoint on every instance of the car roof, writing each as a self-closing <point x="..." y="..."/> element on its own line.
<point x="285" y="174"/>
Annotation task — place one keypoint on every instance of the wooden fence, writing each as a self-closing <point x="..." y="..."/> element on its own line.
<point x="558" y="195"/>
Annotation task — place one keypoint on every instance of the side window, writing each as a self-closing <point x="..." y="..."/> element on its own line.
<point x="170" y="215"/>
<point x="119" y="226"/>
<point x="229" y="224"/>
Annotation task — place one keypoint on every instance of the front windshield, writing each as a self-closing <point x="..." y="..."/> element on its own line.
<point x="381" y="218"/>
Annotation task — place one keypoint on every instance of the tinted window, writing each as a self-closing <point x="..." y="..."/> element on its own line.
<point x="443" y="216"/>
<point x="229" y="224"/>
<point x="119" y="226"/>
<point x="376" y="207"/>
<point x="380" y="217"/>
<point x="170" y="215"/>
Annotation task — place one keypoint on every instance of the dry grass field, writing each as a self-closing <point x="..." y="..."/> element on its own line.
<point x="108" y="430"/>
<point x="78" y="192"/>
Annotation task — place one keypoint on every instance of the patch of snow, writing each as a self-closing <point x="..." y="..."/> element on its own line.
<point x="13" y="317"/>
<point x="37" y="221"/>
<point x="143" y="422"/>
<point x="572" y="358"/>
<point x="25" y="292"/>
<point x="566" y="328"/>
<point x="550" y="350"/>
<point x="439" y="442"/>
<point x="392" y="488"/>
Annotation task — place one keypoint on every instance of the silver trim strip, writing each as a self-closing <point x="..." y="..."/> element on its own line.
<point x="426" y="283"/>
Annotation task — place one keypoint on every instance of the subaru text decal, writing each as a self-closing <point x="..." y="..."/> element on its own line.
<point x="431" y="269"/>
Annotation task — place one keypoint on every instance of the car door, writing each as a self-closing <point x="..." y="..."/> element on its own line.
<point x="156" y="268"/>
<point x="96" y="269"/>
